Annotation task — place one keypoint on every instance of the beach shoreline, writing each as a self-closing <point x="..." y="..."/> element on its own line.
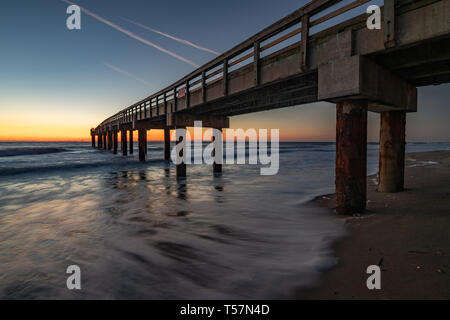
<point x="407" y="234"/>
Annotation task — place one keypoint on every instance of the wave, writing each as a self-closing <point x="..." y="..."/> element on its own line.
<point x="12" y="152"/>
<point x="69" y="167"/>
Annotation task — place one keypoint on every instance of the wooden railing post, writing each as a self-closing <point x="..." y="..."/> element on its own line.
<point x="151" y="111"/>
<point x="225" y="77"/>
<point x="389" y="23"/>
<point x="304" y="45"/>
<point x="203" y="86"/>
<point x="175" y="101"/>
<point x="188" y="95"/>
<point x="165" y="103"/>
<point x="256" y="56"/>
<point x="157" y="105"/>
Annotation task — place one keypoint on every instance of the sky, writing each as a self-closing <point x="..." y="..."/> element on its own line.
<point x="56" y="83"/>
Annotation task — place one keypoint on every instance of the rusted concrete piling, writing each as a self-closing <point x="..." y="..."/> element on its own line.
<point x="123" y="142"/>
<point x="166" y="143"/>
<point x="181" y="156"/>
<point x="142" y="143"/>
<point x="392" y="151"/>
<point x="131" y="141"/>
<point x="351" y="156"/>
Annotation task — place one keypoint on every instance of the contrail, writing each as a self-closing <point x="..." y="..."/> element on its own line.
<point x="132" y="35"/>
<point x="172" y="37"/>
<point x="117" y="69"/>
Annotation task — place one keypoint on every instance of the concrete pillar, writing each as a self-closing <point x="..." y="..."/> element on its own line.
<point x="104" y="141"/>
<point x="217" y="167"/>
<point x="131" y="141"/>
<point x="181" y="157"/>
<point x="99" y="141"/>
<point x="115" y="142"/>
<point x="351" y="156"/>
<point x="110" y="140"/>
<point x="123" y="142"/>
<point x="392" y="151"/>
<point x="142" y="133"/>
<point x="93" y="140"/>
<point x="166" y="144"/>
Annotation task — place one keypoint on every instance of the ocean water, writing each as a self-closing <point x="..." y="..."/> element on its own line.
<point x="137" y="232"/>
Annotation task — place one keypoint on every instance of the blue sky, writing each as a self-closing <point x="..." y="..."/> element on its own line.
<point x="55" y="76"/>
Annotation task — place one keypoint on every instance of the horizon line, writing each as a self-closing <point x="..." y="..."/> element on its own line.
<point x="88" y="140"/>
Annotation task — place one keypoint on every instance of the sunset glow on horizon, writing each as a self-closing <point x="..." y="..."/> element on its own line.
<point x="58" y="134"/>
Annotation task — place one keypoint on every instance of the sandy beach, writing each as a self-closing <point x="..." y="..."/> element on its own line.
<point x="406" y="233"/>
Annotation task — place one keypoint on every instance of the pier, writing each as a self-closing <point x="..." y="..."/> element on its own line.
<point x="305" y="58"/>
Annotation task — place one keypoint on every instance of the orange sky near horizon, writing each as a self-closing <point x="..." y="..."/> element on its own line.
<point x="48" y="123"/>
<point x="49" y="133"/>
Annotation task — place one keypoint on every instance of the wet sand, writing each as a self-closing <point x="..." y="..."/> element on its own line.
<point x="406" y="233"/>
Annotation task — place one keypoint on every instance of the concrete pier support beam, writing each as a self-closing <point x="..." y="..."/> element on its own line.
<point x="142" y="143"/>
<point x="351" y="156"/>
<point x="104" y="141"/>
<point x="99" y="141"/>
<point x="115" y="141"/>
<point x="145" y="143"/>
<point x="110" y="140"/>
<point x="166" y="143"/>
<point x="181" y="156"/>
<point x="218" y="141"/>
<point x="131" y="141"/>
<point x="93" y="139"/>
<point x="123" y="142"/>
<point x="392" y="151"/>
